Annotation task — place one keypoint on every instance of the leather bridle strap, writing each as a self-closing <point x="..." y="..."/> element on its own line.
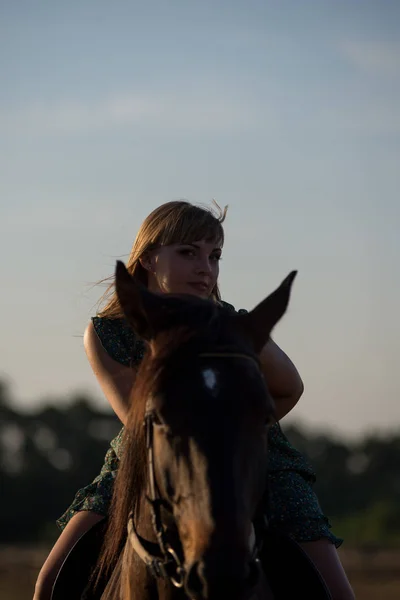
<point x="159" y="557"/>
<point x="149" y="553"/>
<point x="230" y="355"/>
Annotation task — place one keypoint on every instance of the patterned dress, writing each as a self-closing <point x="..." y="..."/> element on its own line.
<point x="293" y="505"/>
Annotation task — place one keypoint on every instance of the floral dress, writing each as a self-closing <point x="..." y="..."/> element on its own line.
<point x="293" y="506"/>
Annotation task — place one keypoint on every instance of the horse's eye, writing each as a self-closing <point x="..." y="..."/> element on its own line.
<point x="160" y="425"/>
<point x="157" y="420"/>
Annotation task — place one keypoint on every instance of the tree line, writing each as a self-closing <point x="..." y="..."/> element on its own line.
<point x="48" y="454"/>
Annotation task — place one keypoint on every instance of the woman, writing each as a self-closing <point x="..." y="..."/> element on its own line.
<point x="177" y="250"/>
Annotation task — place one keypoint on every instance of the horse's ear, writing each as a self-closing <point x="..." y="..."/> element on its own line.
<point x="258" y="323"/>
<point x="137" y="303"/>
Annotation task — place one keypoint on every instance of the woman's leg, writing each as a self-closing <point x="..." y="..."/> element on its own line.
<point x="294" y="511"/>
<point x="80" y="523"/>
<point x="325" y="557"/>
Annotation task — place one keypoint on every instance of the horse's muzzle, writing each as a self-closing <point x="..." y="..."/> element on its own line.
<point x="220" y="580"/>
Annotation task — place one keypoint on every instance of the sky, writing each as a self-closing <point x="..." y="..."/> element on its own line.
<point x="288" y="112"/>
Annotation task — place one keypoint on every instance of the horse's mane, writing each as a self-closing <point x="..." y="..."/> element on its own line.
<point x="131" y="479"/>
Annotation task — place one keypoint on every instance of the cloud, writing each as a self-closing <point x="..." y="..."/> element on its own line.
<point x="374" y="58"/>
<point x="180" y="110"/>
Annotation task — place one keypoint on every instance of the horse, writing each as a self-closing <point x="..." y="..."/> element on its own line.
<point x="187" y="519"/>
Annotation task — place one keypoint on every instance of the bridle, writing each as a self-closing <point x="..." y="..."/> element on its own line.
<point x="161" y="558"/>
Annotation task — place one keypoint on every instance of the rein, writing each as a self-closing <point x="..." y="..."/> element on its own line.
<point x="160" y="557"/>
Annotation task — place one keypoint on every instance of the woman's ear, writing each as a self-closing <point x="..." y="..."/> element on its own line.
<point x="146" y="262"/>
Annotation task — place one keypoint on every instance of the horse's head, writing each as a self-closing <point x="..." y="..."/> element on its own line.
<point x="208" y="411"/>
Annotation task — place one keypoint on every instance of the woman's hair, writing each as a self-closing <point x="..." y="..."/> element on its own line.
<point x="178" y="222"/>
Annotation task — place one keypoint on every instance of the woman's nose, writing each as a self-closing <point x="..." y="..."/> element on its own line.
<point x="204" y="266"/>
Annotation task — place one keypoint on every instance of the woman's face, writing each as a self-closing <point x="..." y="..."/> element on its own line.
<point x="183" y="268"/>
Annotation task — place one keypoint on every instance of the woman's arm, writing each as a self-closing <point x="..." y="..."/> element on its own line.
<point x="115" y="380"/>
<point x="283" y="379"/>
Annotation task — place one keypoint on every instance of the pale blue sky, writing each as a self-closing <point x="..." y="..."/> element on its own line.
<point x="287" y="111"/>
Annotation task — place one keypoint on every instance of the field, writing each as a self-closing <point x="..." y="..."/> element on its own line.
<point x="374" y="575"/>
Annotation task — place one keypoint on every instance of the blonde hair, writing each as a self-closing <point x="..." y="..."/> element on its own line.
<point x="171" y="223"/>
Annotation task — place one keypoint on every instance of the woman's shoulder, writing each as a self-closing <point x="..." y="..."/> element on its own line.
<point x="119" y="340"/>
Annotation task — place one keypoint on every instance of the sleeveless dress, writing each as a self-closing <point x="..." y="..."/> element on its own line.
<point x="293" y="508"/>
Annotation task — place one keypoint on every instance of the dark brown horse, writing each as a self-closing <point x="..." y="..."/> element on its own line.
<point x="192" y="478"/>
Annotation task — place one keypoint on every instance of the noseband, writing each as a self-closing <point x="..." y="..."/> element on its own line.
<point x="160" y="557"/>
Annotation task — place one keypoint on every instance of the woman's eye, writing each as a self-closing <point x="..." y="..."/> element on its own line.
<point x="187" y="252"/>
<point x="190" y="252"/>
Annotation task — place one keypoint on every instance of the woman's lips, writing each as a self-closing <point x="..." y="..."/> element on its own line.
<point x="201" y="287"/>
